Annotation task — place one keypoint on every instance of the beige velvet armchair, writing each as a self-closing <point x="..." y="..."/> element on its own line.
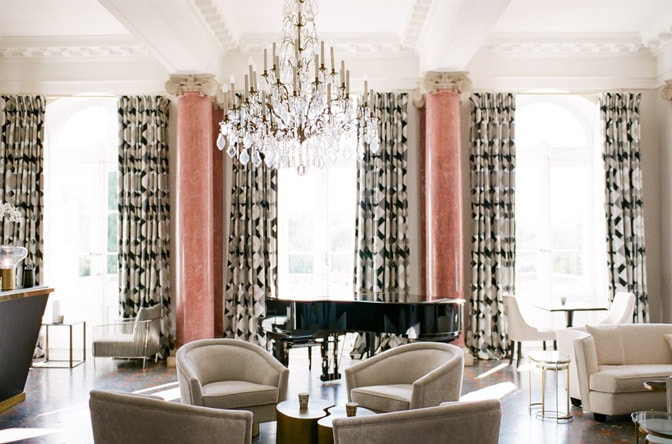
<point x="231" y="374"/>
<point x="454" y="423"/>
<point x="135" y="339"/>
<point x="410" y="376"/>
<point x="130" y="419"/>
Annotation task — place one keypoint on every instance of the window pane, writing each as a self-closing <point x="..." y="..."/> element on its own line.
<point x="112" y="191"/>
<point x="301" y="263"/>
<point x="112" y="239"/>
<point x="112" y="264"/>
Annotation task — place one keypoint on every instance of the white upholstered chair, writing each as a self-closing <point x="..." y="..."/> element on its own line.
<point x="137" y="338"/>
<point x="622" y="309"/>
<point x="454" y="423"/>
<point x="410" y="376"/>
<point x="520" y="330"/>
<point x="139" y="419"/>
<point x="231" y="374"/>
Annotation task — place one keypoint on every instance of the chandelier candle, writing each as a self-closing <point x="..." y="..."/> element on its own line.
<point x="297" y="114"/>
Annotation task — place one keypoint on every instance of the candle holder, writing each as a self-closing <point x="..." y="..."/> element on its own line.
<point x="10" y="256"/>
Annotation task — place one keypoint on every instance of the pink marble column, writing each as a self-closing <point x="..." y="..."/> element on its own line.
<point x="443" y="196"/>
<point x="193" y="216"/>
<point x="441" y="184"/>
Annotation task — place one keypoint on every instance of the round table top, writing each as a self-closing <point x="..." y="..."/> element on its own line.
<point x="548" y="357"/>
<point x="656" y="423"/>
<point x="316" y="408"/>
<point x="339" y="412"/>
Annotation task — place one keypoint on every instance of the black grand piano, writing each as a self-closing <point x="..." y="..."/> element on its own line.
<point x="290" y="323"/>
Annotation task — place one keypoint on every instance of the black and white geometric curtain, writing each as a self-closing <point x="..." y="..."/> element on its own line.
<point x="144" y="208"/>
<point x="22" y="174"/>
<point x="493" y="160"/>
<point x="252" y="264"/>
<point x="381" y="227"/>
<point x="624" y="207"/>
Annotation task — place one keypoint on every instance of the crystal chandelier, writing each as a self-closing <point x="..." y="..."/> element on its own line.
<point x="299" y="113"/>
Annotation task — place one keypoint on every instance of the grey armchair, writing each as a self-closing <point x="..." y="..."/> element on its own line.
<point x="134" y="339"/>
<point x="129" y="419"/>
<point x="410" y="376"/>
<point x="454" y="423"/>
<point x="231" y="374"/>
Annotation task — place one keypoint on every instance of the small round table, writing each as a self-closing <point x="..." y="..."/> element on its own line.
<point x="653" y="423"/>
<point x="555" y="362"/>
<point x="325" y="431"/>
<point x="296" y="426"/>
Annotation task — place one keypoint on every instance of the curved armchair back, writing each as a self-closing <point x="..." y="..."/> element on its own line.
<point x="228" y="359"/>
<point x="415" y="375"/>
<point x="621" y="310"/>
<point x="517" y="328"/>
<point x="129" y="418"/>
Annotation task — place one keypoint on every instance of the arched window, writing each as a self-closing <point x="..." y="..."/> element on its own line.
<point x="560" y="235"/>
<point x="81" y="207"/>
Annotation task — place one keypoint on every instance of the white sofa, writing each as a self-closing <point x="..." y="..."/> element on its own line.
<point x="614" y="361"/>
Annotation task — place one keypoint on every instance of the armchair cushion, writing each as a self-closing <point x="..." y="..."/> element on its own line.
<point x="237" y="394"/>
<point x="384" y="398"/>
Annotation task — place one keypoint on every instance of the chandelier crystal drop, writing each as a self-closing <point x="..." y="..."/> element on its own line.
<point x="298" y="113"/>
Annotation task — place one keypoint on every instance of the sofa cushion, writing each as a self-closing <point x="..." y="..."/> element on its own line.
<point x="237" y="394"/>
<point x="383" y="398"/>
<point x="608" y="344"/>
<point x="627" y="378"/>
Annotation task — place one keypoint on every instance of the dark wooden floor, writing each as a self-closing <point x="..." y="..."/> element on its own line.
<point x="56" y="409"/>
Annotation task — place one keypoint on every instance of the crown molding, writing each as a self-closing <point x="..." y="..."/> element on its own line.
<point x="71" y="47"/>
<point x="416" y="22"/>
<point x="540" y="44"/>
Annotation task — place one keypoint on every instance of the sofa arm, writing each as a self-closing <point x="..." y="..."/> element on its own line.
<point x="586" y="365"/>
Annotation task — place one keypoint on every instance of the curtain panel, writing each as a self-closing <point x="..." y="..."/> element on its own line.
<point x="144" y="209"/>
<point x="381" y="226"/>
<point x="624" y="205"/>
<point x="252" y="263"/>
<point x="22" y="174"/>
<point x="492" y="162"/>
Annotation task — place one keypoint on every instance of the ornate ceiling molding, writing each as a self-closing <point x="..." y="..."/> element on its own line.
<point x="416" y="22"/>
<point x="204" y="84"/>
<point x="210" y="13"/>
<point x="70" y="47"/>
<point x="554" y="45"/>
<point x="431" y="82"/>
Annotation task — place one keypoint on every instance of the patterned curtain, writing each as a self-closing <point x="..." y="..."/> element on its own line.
<point x="492" y="159"/>
<point x="624" y="207"/>
<point x="381" y="227"/>
<point x="22" y="175"/>
<point x="252" y="257"/>
<point x="144" y="209"/>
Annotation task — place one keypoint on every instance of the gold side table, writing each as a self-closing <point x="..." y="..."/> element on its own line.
<point x="61" y="363"/>
<point x="555" y="362"/>
<point x="296" y="426"/>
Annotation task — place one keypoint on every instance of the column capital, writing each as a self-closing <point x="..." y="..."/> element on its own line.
<point x="666" y="92"/>
<point x="204" y="84"/>
<point x="434" y="81"/>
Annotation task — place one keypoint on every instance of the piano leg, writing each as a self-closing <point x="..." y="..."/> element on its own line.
<point x="281" y="351"/>
<point x="330" y="339"/>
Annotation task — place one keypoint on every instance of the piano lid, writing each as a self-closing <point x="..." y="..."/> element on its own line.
<point x="387" y="297"/>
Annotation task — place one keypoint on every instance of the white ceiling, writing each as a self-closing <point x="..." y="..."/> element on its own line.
<point x="213" y="36"/>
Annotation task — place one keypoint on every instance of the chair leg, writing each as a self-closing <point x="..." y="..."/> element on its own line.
<point x="555" y="345"/>
<point x="513" y="352"/>
<point x="520" y="353"/>
<point x="543" y="344"/>
<point x="310" y="357"/>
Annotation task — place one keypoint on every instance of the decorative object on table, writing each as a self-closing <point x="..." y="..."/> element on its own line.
<point x="351" y="408"/>
<point x="563" y="300"/>
<point x="10" y="256"/>
<point x="28" y="277"/>
<point x="303" y="401"/>
<point x="298" y="113"/>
